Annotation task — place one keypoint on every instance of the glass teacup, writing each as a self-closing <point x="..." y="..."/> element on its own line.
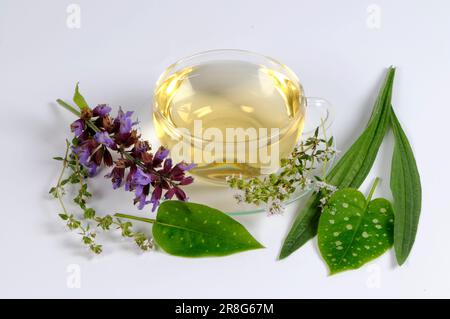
<point x="231" y="112"/>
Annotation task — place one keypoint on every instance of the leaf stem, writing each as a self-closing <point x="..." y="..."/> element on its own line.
<point x="325" y="162"/>
<point x="142" y="219"/>
<point x="372" y="190"/>
<point x="61" y="175"/>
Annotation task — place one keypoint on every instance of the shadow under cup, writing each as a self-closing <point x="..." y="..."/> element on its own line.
<point x="231" y="112"/>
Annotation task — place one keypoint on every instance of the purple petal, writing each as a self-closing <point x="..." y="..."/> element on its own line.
<point x="187" y="180"/>
<point x="181" y="195"/>
<point x="105" y="139"/>
<point x="142" y="202"/>
<point x="101" y="110"/>
<point x="83" y="154"/>
<point x="186" y="167"/>
<point x="116" y="183"/>
<point x="92" y="169"/>
<point x="167" y="165"/>
<point x="139" y="191"/>
<point x="77" y="127"/>
<point x="156" y="196"/>
<point x="140" y="178"/>
<point x="125" y="122"/>
<point x="161" y="153"/>
<point x="169" y="194"/>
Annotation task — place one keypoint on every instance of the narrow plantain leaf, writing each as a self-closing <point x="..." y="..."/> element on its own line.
<point x="350" y="171"/>
<point x="195" y="230"/>
<point x="354" y="166"/>
<point x="79" y="99"/>
<point x="407" y="193"/>
<point x="353" y="231"/>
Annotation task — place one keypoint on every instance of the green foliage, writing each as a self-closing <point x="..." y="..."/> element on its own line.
<point x="349" y="171"/>
<point x="195" y="230"/>
<point x="407" y="192"/>
<point x="79" y="100"/>
<point x="353" y="231"/>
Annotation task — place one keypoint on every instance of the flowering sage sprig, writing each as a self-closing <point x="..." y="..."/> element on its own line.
<point x="103" y="140"/>
<point x="98" y="135"/>
<point x="295" y="173"/>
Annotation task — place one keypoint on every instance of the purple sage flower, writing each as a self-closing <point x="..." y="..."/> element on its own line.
<point x="124" y="121"/>
<point x="78" y="127"/>
<point x="140" y="178"/>
<point x="137" y="167"/>
<point x="105" y="139"/>
<point x="117" y="174"/>
<point x="160" y="155"/>
<point x="141" y="195"/>
<point x="180" y="194"/>
<point x="92" y="169"/>
<point x="83" y="152"/>
<point x="101" y="110"/>
<point x="156" y="196"/>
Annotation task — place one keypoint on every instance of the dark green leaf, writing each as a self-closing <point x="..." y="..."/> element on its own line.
<point x="353" y="231"/>
<point x="97" y="249"/>
<point x="89" y="213"/>
<point x="350" y="170"/>
<point x="407" y="193"/>
<point x="79" y="99"/>
<point x="58" y="158"/>
<point x="105" y="222"/>
<point x="195" y="230"/>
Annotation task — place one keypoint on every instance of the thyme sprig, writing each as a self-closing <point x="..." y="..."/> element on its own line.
<point x="295" y="173"/>
<point x="90" y="222"/>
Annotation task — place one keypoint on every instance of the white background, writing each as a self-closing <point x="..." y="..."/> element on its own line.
<point x="117" y="55"/>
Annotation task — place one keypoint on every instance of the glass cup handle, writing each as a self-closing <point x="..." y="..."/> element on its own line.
<point x="318" y="112"/>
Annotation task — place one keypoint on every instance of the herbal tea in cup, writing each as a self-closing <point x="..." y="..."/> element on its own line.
<point x="230" y="112"/>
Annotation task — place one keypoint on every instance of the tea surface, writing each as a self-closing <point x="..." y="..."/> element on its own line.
<point x="224" y="95"/>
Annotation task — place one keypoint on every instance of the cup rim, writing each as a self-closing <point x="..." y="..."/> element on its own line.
<point x="192" y="137"/>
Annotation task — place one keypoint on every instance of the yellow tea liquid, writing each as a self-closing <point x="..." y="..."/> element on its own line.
<point x="224" y="95"/>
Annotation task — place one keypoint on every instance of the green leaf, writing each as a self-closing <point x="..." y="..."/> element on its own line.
<point x="195" y="230"/>
<point x="58" y="158"/>
<point x="353" y="231"/>
<point x="89" y="213"/>
<point x="350" y="171"/>
<point x="354" y="166"/>
<point x="407" y="192"/>
<point x="69" y="107"/>
<point x="54" y="192"/>
<point x="79" y="99"/>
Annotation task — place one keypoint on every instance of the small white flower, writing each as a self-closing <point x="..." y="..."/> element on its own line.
<point x="274" y="206"/>
<point x="323" y="201"/>
<point x="322" y="185"/>
<point x="238" y="197"/>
